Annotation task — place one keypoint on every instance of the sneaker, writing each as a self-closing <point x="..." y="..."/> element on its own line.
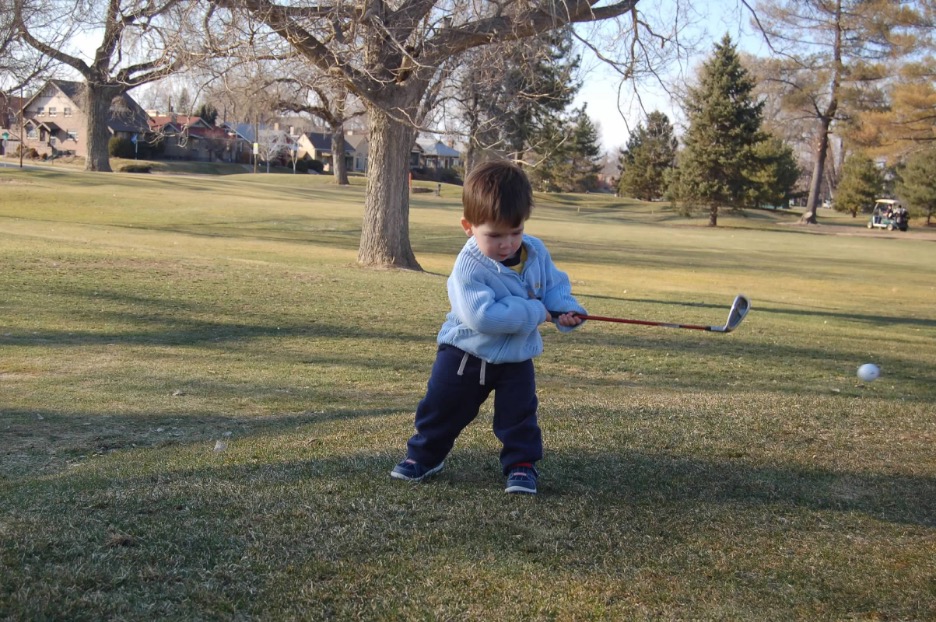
<point x="412" y="471"/>
<point x="522" y="479"/>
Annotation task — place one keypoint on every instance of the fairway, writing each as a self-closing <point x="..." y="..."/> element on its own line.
<point x="202" y="395"/>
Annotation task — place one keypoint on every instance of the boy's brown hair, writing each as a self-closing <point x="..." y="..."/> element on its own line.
<point x="497" y="191"/>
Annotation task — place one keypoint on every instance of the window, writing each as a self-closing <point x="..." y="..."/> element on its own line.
<point x="31" y="132"/>
<point x="72" y="135"/>
<point x="40" y="111"/>
<point x="52" y="111"/>
<point x="67" y="111"/>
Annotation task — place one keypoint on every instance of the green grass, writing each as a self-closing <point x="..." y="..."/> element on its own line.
<point x="201" y="396"/>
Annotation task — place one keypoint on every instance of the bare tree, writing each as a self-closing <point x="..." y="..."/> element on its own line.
<point x="308" y="91"/>
<point x="831" y="54"/>
<point x="20" y="68"/>
<point x="273" y="144"/>
<point x="140" y="41"/>
<point x="506" y="95"/>
<point x="20" y="64"/>
<point x="393" y="55"/>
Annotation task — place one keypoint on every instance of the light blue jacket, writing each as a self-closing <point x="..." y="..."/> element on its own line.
<point x="495" y="311"/>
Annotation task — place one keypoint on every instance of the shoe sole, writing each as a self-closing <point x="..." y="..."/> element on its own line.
<point x="431" y="471"/>
<point x="519" y="490"/>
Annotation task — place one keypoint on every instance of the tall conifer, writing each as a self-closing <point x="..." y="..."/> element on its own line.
<point x="724" y="126"/>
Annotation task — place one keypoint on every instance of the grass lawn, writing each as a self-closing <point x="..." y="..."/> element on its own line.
<point x="201" y="397"/>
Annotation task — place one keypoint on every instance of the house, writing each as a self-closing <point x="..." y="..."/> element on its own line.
<point x="187" y="137"/>
<point x="433" y="154"/>
<point x="242" y="139"/>
<point x="10" y="106"/>
<point x="359" y="143"/>
<point x="318" y="146"/>
<point x="56" y="123"/>
<point x="269" y="142"/>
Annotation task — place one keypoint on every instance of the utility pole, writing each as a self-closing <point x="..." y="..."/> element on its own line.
<point x="22" y="136"/>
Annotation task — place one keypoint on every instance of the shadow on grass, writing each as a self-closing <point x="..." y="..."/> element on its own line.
<point x="643" y="478"/>
<point x="637" y="478"/>
<point x="42" y="442"/>
<point x="169" y="332"/>
<point x="667" y="479"/>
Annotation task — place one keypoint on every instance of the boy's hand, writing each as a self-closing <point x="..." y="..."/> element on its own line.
<point x="568" y="319"/>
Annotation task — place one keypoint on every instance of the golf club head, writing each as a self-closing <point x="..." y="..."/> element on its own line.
<point x="739" y="309"/>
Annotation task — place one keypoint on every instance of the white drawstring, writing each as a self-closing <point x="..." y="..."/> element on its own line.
<point x="464" y="361"/>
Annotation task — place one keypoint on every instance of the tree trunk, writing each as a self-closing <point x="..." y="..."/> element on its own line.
<point x="815" y="183"/>
<point x="713" y="216"/>
<point x="825" y="122"/>
<point x="385" y="231"/>
<point x="338" y="156"/>
<point x="98" y="101"/>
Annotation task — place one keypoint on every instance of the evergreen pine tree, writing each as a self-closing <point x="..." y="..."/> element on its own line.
<point x="773" y="174"/>
<point x="724" y="125"/>
<point x="860" y="185"/>
<point x="208" y="113"/>
<point x="541" y="86"/>
<point x="917" y="185"/>
<point x="649" y="153"/>
<point x="572" y="161"/>
<point x="551" y="171"/>
<point x="584" y="152"/>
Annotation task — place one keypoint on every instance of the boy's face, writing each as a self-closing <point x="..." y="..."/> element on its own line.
<point x="496" y="241"/>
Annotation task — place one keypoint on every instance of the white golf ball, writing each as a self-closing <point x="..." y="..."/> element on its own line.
<point x="869" y="372"/>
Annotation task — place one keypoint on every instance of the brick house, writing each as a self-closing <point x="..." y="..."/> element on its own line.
<point x="191" y="138"/>
<point x="55" y="122"/>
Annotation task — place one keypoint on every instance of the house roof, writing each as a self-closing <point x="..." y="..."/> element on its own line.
<point x="437" y="148"/>
<point x="208" y="132"/>
<point x="178" y="121"/>
<point x="323" y="142"/>
<point x="355" y="140"/>
<point x="244" y="130"/>
<point x="125" y="114"/>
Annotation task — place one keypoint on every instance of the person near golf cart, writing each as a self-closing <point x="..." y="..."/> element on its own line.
<point x="889" y="214"/>
<point x="501" y="286"/>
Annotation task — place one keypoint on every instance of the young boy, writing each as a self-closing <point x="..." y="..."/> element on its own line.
<point x="500" y="288"/>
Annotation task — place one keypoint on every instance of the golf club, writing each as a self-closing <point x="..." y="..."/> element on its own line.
<point x="739" y="309"/>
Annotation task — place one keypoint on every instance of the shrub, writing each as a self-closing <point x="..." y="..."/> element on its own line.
<point x="445" y="175"/>
<point x="27" y="152"/>
<point x="136" y="168"/>
<point x="121" y="148"/>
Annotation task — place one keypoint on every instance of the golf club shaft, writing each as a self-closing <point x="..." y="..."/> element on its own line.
<point x="618" y="320"/>
<point x="739" y="309"/>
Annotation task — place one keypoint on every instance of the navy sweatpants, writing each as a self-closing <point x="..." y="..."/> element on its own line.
<point x="459" y="384"/>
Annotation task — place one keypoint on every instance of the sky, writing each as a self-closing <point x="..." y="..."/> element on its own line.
<point x="615" y="108"/>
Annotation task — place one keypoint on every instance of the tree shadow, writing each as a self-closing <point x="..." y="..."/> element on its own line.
<point x="659" y="477"/>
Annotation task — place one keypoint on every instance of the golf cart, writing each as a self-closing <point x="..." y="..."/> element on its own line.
<point x="888" y="214"/>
